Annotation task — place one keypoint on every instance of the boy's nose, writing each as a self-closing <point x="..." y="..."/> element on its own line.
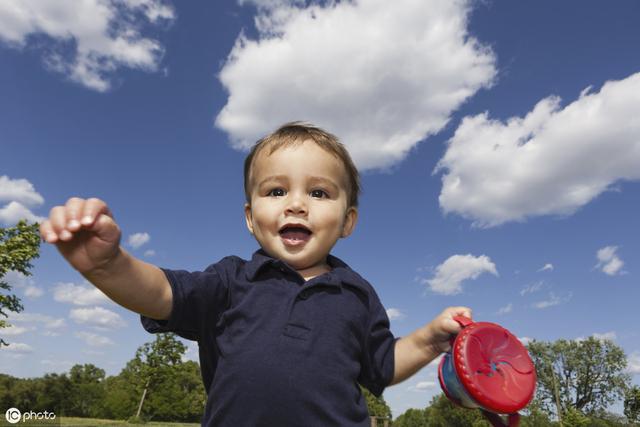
<point x="296" y="206"/>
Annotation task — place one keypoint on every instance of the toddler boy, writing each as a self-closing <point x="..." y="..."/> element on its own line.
<point x="286" y="337"/>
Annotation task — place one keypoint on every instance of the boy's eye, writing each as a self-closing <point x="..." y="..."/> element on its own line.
<point x="276" y="192"/>
<point x="319" y="194"/>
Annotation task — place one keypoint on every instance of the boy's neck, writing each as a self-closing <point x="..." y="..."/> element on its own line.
<point x="313" y="271"/>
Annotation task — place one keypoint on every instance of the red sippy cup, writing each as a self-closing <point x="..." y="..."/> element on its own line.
<point x="488" y="368"/>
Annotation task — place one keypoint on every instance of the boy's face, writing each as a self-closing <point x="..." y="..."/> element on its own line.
<point x="298" y="205"/>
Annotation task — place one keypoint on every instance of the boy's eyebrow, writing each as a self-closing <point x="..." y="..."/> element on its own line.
<point x="273" y="178"/>
<point x="325" y="181"/>
<point x="312" y="179"/>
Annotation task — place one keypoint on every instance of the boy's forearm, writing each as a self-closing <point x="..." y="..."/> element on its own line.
<point x="412" y="353"/>
<point x="135" y="285"/>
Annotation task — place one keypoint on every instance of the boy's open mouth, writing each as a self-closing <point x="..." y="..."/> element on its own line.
<point x="294" y="234"/>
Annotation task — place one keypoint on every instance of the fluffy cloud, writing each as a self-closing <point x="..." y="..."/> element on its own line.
<point x="608" y="261"/>
<point x="525" y="340"/>
<point x="98" y="317"/>
<point x="91" y="39"/>
<point x="381" y="78"/>
<point x="506" y="309"/>
<point x="33" y="292"/>
<point x="138" y="239"/>
<point x="94" y="340"/>
<point x="50" y="323"/>
<point x="633" y="363"/>
<point x="547" y="267"/>
<point x="552" y="161"/>
<point x="422" y="386"/>
<point x="395" y="314"/>
<point x="531" y="288"/>
<point x="20" y="195"/>
<point x="79" y="295"/>
<point x="19" y="348"/>
<point x="451" y="273"/>
<point x="552" y="300"/>
<point x="14" y="330"/>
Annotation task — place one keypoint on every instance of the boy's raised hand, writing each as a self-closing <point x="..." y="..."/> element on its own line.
<point x="443" y="327"/>
<point x="84" y="232"/>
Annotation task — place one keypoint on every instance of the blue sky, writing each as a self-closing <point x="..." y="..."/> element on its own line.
<point x="498" y="142"/>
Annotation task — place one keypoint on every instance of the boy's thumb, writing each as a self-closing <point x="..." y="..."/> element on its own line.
<point x="106" y="228"/>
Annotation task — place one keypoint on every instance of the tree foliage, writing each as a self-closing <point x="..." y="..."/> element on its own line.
<point x="586" y="375"/>
<point x="632" y="404"/>
<point x="18" y="246"/>
<point x="175" y="393"/>
<point x="377" y="405"/>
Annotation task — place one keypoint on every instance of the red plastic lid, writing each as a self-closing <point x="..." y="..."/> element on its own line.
<point x="494" y="367"/>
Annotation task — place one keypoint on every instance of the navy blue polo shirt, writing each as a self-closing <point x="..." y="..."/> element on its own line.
<point x="277" y="351"/>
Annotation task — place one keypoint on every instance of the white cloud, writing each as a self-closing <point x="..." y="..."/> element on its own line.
<point x="149" y="253"/>
<point x="611" y="336"/>
<point x="547" y="267"/>
<point x="98" y="317"/>
<point x="87" y="40"/>
<point x="94" y="340"/>
<point x="422" y="386"/>
<point x="19" y="193"/>
<point x="633" y="363"/>
<point x="451" y="273"/>
<point x="531" y="288"/>
<point x="506" y="309"/>
<point x="138" y="239"/>
<point x="525" y="340"/>
<point x="19" y="190"/>
<point x="49" y="322"/>
<point x="79" y="295"/>
<point x="553" y="300"/>
<point x="20" y="348"/>
<point x="395" y="314"/>
<point x="553" y="161"/>
<point x="33" y="292"/>
<point x="381" y="78"/>
<point x="15" y="279"/>
<point x="14" y="330"/>
<point x="608" y="261"/>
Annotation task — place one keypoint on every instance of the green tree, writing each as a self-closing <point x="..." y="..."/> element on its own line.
<point x="412" y="418"/>
<point x="377" y="405"/>
<point x="444" y="413"/>
<point x="53" y="394"/>
<point x="153" y="364"/>
<point x="632" y="404"/>
<point x="87" y="390"/>
<point x="587" y="375"/>
<point x="18" y="246"/>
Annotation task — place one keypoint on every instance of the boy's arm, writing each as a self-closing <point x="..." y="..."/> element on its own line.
<point x="87" y="236"/>
<point x="135" y="285"/>
<point x="418" y="349"/>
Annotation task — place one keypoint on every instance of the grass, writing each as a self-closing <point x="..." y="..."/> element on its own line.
<point x="91" y="422"/>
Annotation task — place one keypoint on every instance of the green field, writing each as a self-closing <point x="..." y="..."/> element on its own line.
<point x="91" y="422"/>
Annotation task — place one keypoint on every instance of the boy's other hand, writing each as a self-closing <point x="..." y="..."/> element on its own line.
<point x="84" y="232"/>
<point x="443" y="328"/>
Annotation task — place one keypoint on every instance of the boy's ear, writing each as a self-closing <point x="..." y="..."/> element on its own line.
<point x="248" y="217"/>
<point x="351" y="217"/>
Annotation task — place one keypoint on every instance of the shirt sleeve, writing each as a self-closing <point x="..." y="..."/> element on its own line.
<point x="198" y="299"/>
<point x="378" y="360"/>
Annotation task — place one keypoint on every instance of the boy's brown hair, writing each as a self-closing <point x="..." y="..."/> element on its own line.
<point x="296" y="133"/>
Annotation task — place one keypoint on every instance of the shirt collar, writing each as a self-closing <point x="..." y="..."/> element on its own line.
<point x="340" y="272"/>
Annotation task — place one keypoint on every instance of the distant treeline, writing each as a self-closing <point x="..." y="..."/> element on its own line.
<point x="175" y="395"/>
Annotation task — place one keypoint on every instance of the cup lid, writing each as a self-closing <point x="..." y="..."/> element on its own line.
<point x="494" y="367"/>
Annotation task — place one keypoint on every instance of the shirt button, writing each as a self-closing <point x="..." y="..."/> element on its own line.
<point x="304" y="295"/>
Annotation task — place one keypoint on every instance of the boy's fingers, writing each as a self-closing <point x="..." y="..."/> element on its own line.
<point x="93" y="208"/>
<point x="47" y="233"/>
<point x="106" y="228"/>
<point x="73" y="212"/>
<point x="58" y="220"/>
